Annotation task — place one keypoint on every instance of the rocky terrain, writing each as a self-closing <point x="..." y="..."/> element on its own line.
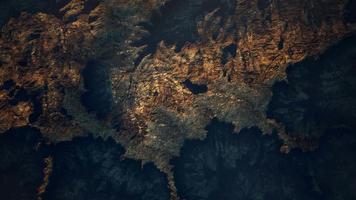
<point x="93" y="76"/>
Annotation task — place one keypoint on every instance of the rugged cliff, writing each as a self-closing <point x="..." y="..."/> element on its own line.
<point x="153" y="74"/>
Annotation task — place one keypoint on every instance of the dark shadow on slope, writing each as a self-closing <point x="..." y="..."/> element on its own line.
<point x="228" y="52"/>
<point x="263" y="4"/>
<point x="20" y="164"/>
<point x="195" y="88"/>
<point x="92" y="169"/>
<point x="176" y="23"/>
<point x="320" y="92"/>
<point x="13" y="8"/>
<point x="7" y="85"/>
<point x="98" y="97"/>
<point x="90" y="5"/>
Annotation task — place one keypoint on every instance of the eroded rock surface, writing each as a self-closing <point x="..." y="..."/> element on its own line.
<point x="152" y="74"/>
<point x="237" y="54"/>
